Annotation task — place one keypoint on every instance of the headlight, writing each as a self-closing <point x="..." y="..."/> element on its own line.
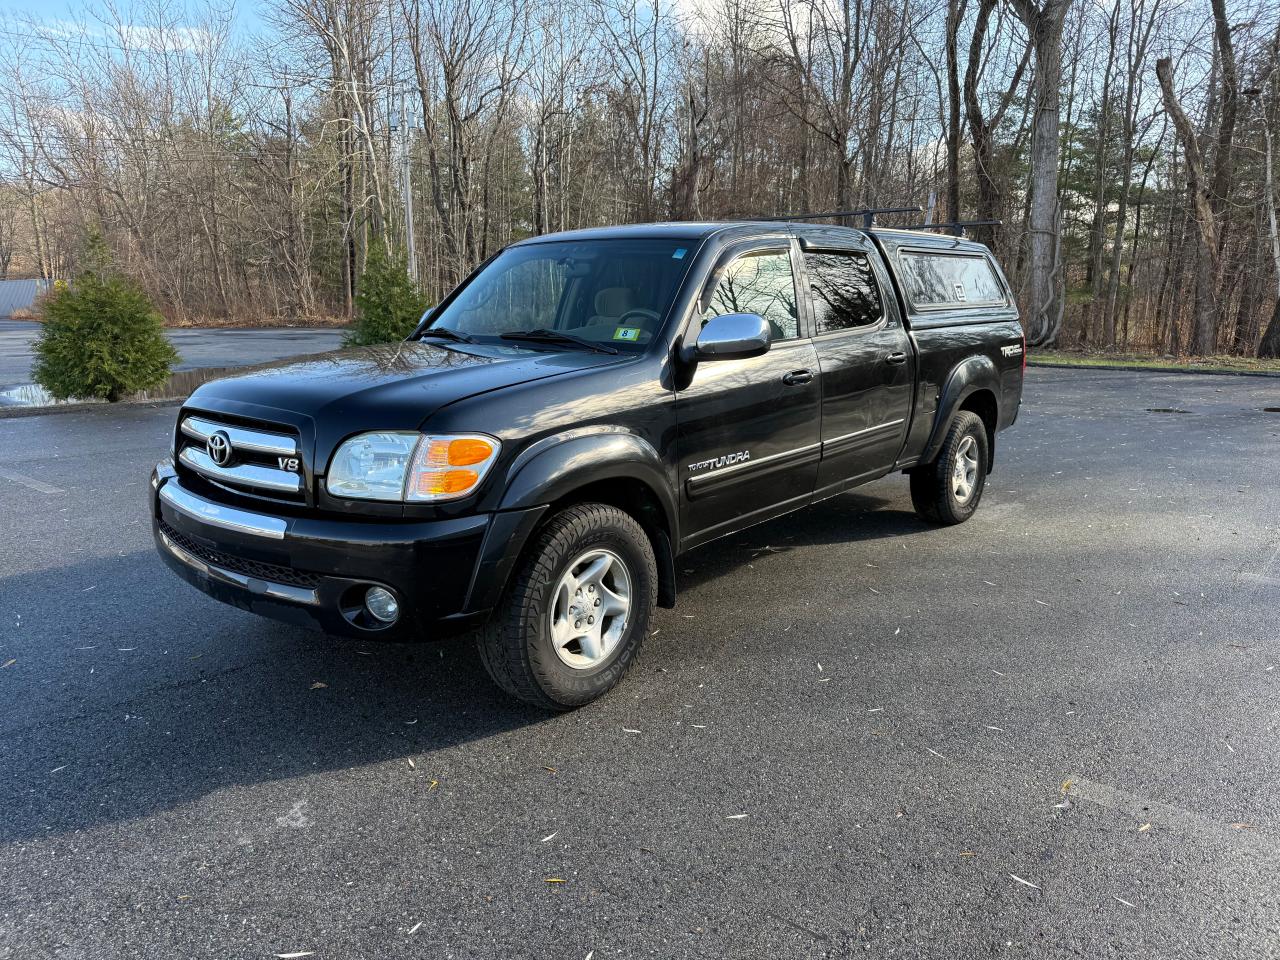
<point x="410" y="466"/>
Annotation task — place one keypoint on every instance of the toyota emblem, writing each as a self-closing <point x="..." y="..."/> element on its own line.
<point x="218" y="446"/>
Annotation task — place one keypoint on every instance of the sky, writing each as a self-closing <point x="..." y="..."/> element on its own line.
<point x="247" y="19"/>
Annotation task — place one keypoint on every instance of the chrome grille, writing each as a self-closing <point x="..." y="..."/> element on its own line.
<point x="248" y="459"/>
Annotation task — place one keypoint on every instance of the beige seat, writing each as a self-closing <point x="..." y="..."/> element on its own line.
<point x="611" y="304"/>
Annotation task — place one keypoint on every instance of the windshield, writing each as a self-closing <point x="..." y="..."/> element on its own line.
<point x="614" y="293"/>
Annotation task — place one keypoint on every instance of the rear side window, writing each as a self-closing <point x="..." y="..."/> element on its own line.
<point x="759" y="283"/>
<point x="949" y="280"/>
<point x="844" y="292"/>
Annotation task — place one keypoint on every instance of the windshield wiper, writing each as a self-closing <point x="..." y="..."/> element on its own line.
<point x="543" y="335"/>
<point x="444" y="333"/>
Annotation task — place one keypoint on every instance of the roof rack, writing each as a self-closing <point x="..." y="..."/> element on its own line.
<point x="955" y="227"/>
<point x="868" y="216"/>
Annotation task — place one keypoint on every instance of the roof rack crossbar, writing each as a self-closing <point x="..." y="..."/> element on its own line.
<point x="868" y="216"/>
<point x="954" y="227"/>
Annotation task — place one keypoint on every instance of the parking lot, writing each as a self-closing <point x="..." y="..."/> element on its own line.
<point x="1050" y="732"/>
<point x="197" y="347"/>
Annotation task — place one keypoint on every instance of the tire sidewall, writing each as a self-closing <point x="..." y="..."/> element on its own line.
<point x="970" y="426"/>
<point x="559" y="681"/>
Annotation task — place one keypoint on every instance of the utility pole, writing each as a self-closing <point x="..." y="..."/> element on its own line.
<point x="406" y="144"/>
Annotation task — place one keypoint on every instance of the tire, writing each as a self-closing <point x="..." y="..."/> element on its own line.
<point x="938" y="488"/>
<point x="524" y="648"/>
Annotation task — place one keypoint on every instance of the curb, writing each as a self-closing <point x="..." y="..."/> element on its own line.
<point x="1136" y="369"/>
<point x="13" y="413"/>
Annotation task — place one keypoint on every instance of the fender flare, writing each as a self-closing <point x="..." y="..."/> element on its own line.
<point x="553" y="468"/>
<point x="968" y="377"/>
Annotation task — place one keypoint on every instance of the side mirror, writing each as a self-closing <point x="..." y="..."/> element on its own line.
<point x="733" y="336"/>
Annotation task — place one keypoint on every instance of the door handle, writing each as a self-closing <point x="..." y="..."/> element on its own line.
<point x="896" y="358"/>
<point x="796" y="377"/>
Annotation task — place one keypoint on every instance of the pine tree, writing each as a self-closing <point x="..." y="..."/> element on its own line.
<point x="100" y="336"/>
<point x="389" y="303"/>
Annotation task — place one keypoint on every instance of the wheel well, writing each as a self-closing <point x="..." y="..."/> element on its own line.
<point x="983" y="403"/>
<point x="638" y="499"/>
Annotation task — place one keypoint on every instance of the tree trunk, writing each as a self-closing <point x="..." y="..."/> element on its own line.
<point x="1045" y="24"/>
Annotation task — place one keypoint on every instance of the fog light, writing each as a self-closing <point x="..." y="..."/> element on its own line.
<point x="382" y="604"/>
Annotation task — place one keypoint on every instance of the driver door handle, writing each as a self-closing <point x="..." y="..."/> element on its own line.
<point x="896" y="358"/>
<point x="796" y="377"/>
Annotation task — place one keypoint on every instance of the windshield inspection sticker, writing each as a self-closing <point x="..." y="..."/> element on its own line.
<point x="626" y="333"/>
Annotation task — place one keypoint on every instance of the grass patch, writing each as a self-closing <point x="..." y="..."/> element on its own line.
<point x="1216" y="364"/>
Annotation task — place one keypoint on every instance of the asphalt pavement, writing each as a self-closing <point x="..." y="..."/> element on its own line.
<point x="197" y="346"/>
<point x="1049" y="732"/>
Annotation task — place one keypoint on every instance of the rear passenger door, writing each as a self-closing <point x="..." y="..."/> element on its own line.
<point x="866" y="360"/>
<point x="747" y="430"/>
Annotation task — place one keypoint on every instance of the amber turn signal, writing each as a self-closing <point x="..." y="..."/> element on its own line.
<point x="436" y="474"/>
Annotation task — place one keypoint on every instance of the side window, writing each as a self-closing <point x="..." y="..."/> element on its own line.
<point x="759" y="283"/>
<point x="844" y="291"/>
<point x="938" y="280"/>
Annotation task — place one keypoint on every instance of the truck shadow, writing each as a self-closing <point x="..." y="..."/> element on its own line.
<point x="133" y="694"/>
<point x="137" y="694"/>
<point x="848" y="518"/>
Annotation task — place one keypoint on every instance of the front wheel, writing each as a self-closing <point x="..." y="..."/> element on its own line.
<point x="573" y="619"/>
<point x="948" y="489"/>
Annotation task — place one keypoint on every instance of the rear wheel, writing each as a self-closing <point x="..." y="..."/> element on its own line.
<point x="573" y="619"/>
<point x="948" y="489"/>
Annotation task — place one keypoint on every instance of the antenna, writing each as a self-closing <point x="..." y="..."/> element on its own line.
<point x="868" y="216"/>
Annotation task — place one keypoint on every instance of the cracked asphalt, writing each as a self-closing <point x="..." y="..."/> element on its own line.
<point x="1049" y="732"/>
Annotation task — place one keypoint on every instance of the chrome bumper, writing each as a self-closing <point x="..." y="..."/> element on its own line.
<point x="219" y="515"/>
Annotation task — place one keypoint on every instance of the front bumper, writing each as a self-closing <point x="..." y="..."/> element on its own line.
<point x="314" y="571"/>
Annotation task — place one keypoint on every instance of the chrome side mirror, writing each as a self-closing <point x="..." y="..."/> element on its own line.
<point x="733" y="336"/>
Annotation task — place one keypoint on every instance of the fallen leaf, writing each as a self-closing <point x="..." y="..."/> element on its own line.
<point x="414" y="928"/>
<point x="295" y="955"/>
<point x="628" y="730"/>
<point x="1242" y="826"/>
<point x="433" y="785"/>
<point x="412" y="765"/>
<point x="9" y="663"/>
<point x="319" y="685"/>
<point x="967" y="853"/>
<point x="737" y="816"/>
<point x="1025" y="883"/>
<point x="553" y="880"/>
<point x="549" y="769"/>
<point x="1144" y="828"/>
<point x="549" y="836"/>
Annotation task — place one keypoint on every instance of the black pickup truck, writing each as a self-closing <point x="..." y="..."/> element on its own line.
<point x="584" y="408"/>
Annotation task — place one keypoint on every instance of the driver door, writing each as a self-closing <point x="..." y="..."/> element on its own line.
<point x="748" y="436"/>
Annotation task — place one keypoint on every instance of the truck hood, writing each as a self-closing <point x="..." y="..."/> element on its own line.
<point x="389" y="387"/>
